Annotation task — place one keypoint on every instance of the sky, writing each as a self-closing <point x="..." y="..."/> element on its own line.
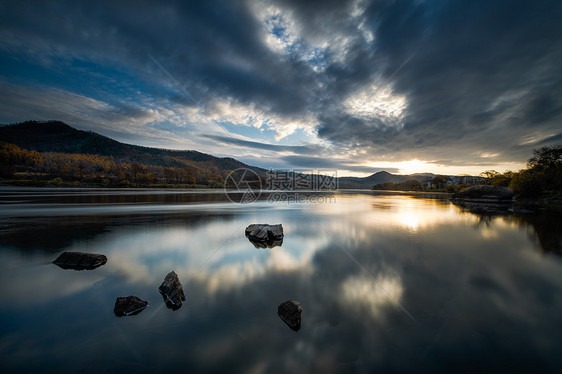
<point x="449" y="87"/>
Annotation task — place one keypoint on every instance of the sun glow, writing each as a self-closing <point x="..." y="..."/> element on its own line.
<point x="421" y="166"/>
<point x="412" y="166"/>
<point x="409" y="220"/>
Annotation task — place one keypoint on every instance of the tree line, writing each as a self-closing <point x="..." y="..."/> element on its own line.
<point x="438" y="183"/>
<point x="541" y="177"/>
<point x="29" y="167"/>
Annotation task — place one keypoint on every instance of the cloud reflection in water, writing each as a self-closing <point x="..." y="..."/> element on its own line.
<point x="470" y="283"/>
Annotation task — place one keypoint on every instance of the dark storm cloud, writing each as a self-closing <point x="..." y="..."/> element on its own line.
<point x="325" y="163"/>
<point x="553" y="139"/>
<point x="301" y="149"/>
<point x="215" y="47"/>
<point x="475" y="76"/>
<point x="477" y="67"/>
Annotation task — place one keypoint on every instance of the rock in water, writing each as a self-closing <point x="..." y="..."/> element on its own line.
<point x="484" y="199"/>
<point x="80" y="261"/>
<point x="129" y="306"/>
<point x="290" y="312"/>
<point x="264" y="235"/>
<point x="171" y="291"/>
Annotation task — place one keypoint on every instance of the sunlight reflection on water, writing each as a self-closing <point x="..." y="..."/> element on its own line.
<point x="470" y="282"/>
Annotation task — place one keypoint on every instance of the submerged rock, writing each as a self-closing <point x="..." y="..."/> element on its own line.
<point x="290" y="312"/>
<point x="129" y="306"/>
<point x="172" y="291"/>
<point x="264" y="235"/>
<point x="484" y="199"/>
<point x="80" y="261"/>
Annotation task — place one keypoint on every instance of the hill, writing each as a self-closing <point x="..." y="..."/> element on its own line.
<point x="57" y="136"/>
<point x="379" y="178"/>
<point x="117" y="163"/>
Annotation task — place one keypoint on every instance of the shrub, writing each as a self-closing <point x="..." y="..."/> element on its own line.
<point x="502" y="180"/>
<point x="543" y="174"/>
<point x="527" y="183"/>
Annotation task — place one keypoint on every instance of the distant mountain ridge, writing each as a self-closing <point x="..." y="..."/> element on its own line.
<point x="379" y="178"/>
<point x="57" y="136"/>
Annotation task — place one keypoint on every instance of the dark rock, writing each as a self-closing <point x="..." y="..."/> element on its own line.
<point x="265" y="235"/>
<point x="172" y="291"/>
<point x="129" y="306"/>
<point x="80" y="261"/>
<point x="484" y="199"/>
<point x="485" y="192"/>
<point x="488" y="208"/>
<point x="290" y="312"/>
<point x="550" y="203"/>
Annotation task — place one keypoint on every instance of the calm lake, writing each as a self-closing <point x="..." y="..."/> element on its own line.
<point x="387" y="283"/>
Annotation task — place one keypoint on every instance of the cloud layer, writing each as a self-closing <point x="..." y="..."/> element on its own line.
<point x="453" y="83"/>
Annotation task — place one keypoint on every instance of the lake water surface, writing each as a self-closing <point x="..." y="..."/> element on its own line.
<point x="387" y="283"/>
